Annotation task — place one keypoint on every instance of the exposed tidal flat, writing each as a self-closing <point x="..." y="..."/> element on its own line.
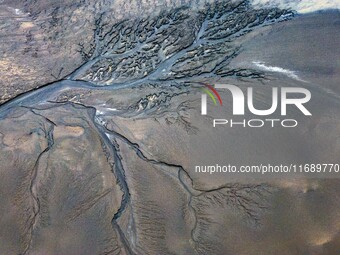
<point x="100" y="130"/>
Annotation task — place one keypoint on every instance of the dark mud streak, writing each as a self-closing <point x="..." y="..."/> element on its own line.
<point x="141" y="155"/>
<point x="123" y="239"/>
<point x="119" y="173"/>
<point x="34" y="195"/>
<point x="117" y="168"/>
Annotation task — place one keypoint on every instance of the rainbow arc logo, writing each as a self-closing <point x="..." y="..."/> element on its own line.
<point x="212" y="92"/>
